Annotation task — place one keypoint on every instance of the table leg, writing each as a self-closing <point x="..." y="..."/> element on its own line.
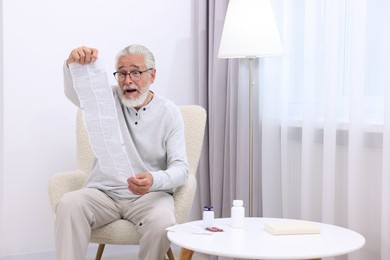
<point x="185" y="254"/>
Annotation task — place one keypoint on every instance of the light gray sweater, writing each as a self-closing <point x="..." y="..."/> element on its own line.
<point x="154" y="141"/>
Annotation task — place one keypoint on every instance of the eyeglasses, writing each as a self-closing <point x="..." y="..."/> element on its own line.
<point x="135" y="75"/>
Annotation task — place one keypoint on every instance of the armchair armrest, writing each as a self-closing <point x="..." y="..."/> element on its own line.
<point x="183" y="197"/>
<point x="64" y="182"/>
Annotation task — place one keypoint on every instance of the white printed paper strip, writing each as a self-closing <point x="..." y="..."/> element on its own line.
<point x="100" y="117"/>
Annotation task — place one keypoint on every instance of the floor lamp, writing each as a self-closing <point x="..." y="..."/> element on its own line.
<point x="250" y="32"/>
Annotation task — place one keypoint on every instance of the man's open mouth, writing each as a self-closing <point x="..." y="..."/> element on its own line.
<point x="130" y="90"/>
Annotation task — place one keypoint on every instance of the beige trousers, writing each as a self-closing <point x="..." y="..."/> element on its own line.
<point x="80" y="211"/>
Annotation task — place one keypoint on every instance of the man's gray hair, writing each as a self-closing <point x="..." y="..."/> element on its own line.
<point x="137" y="49"/>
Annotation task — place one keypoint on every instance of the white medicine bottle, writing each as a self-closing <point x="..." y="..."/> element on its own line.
<point x="238" y="214"/>
<point x="208" y="216"/>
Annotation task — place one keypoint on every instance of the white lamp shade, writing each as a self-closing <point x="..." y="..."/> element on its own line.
<point x="250" y="30"/>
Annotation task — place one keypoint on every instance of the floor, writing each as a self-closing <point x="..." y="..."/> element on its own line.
<point x="132" y="255"/>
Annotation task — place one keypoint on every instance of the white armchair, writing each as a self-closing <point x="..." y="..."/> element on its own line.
<point x="122" y="232"/>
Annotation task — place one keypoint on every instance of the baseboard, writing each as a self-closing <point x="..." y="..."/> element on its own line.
<point x="110" y="250"/>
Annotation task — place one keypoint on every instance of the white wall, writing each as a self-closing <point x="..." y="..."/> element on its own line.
<point x="38" y="120"/>
<point x="1" y="127"/>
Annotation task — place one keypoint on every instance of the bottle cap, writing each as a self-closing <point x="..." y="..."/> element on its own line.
<point x="208" y="208"/>
<point x="238" y="203"/>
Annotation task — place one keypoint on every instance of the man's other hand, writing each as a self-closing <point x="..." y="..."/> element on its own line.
<point x="140" y="184"/>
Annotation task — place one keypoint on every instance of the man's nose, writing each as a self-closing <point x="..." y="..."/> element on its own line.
<point x="128" y="79"/>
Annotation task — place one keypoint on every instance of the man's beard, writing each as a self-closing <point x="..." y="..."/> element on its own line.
<point x="134" y="102"/>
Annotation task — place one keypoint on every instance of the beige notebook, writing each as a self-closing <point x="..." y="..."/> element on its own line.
<point x="292" y="227"/>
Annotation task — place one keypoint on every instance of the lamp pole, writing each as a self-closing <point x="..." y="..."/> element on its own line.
<point x="251" y="61"/>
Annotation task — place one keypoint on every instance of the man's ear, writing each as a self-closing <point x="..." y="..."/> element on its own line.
<point x="152" y="75"/>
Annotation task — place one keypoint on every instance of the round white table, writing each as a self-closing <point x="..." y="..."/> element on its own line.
<point x="253" y="242"/>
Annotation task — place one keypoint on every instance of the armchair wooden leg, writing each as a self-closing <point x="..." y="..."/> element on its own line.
<point x="170" y="254"/>
<point x="99" y="252"/>
<point x="185" y="254"/>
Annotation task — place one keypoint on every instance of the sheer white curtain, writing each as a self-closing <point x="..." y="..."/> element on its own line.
<point x="325" y="118"/>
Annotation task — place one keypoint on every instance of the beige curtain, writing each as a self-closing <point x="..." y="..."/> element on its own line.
<point x="223" y="171"/>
